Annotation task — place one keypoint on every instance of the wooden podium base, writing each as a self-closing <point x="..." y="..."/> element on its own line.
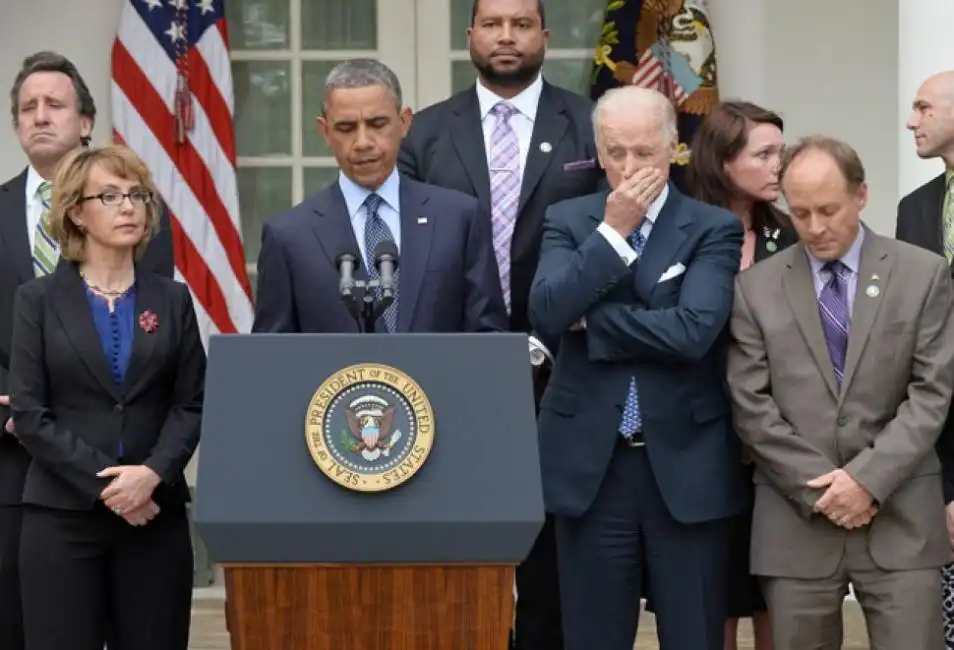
<point x="369" y="607"/>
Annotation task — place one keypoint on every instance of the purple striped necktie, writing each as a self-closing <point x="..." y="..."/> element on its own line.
<point x="504" y="189"/>
<point x="836" y="321"/>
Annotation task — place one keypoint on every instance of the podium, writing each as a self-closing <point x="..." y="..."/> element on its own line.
<point x="329" y="543"/>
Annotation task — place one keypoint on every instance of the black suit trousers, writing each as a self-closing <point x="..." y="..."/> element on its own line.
<point x="11" y="616"/>
<point x="89" y="578"/>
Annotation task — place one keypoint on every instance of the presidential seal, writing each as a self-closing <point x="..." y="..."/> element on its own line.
<point x="369" y="427"/>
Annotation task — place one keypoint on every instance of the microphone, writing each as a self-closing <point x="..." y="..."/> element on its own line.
<point x="348" y="263"/>
<point x="386" y="262"/>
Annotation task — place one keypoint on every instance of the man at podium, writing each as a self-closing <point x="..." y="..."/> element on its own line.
<point x="374" y="224"/>
<point x="639" y="462"/>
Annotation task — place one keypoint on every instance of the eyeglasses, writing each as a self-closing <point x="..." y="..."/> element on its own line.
<point x="136" y="197"/>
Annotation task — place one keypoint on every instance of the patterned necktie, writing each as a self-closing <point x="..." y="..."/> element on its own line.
<point x="632" y="418"/>
<point x="948" y="220"/>
<point x="45" y="251"/>
<point x="833" y="308"/>
<point x="375" y="232"/>
<point x="504" y="190"/>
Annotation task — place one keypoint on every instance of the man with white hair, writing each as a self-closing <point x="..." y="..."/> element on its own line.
<point x="640" y="463"/>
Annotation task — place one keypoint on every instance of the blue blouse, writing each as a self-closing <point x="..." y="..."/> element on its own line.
<point x="116" y="330"/>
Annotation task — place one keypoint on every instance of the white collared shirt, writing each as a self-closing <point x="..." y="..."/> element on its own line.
<point x="389" y="210"/>
<point x="619" y="243"/>
<point x="522" y="122"/>
<point x="34" y="205"/>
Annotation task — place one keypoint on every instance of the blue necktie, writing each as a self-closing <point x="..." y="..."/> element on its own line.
<point x="632" y="419"/>
<point x="375" y="232"/>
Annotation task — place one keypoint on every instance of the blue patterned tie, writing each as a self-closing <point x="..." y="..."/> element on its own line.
<point x="833" y="308"/>
<point x="375" y="232"/>
<point x="632" y="419"/>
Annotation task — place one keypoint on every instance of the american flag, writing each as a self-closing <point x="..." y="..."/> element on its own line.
<point x="172" y="103"/>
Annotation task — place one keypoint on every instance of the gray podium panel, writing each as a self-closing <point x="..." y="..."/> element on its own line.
<point x="262" y="499"/>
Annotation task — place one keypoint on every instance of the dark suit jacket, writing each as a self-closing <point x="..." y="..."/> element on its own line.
<point x="445" y="147"/>
<point x="919" y="223"/>
<point x="16" y="267"/>
<point x="68" y="411"/>
<point x="448" y="278"/>
<point x="669" y="335"/>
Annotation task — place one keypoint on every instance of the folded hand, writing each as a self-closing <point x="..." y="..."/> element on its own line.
<point x="846" y="503"/>
<point x="131" y="488"/>
<point x="142" y="515"/>
<point x="8" y="425"/>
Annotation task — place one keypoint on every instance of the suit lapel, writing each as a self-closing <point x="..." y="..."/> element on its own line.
<point x="932" y="214"/>
<point x="14" y="239"/>
<point x="76" y="318"/>
<point x="149" y="298"/>
<point x="799" y="287"/>
<point x="549" y="127"/>
<point x="665" y="240"/>
<point x="875" y="270"/>
<point x="333" y="228"/>
<point x="417" y="230"/>
<point x="467" y="134"/>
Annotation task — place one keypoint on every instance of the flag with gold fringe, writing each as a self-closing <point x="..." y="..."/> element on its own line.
<point x="666" y="45"/>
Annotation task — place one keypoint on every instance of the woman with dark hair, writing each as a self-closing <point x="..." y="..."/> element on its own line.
<point x="736" y="158"/>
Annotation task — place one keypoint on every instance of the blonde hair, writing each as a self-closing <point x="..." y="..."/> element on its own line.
<point x="69" y="187"/>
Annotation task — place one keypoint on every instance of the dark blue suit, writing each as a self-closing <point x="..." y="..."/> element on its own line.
<point x="448" y="278"/>
<point x="665" y="505"/>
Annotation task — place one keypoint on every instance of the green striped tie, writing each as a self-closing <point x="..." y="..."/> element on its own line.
<point x="948" y="216"/>
<point x="45" y="252"/>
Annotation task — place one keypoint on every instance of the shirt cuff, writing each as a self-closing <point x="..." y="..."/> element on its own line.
<point x="619" y="243"/>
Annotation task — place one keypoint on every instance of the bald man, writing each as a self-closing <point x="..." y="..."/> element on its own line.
<point x="640" y="464"/>
<point x="926" y="219"/>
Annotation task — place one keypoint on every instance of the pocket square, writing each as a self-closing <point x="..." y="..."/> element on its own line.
<point x="575" y="165"/>
<point x="673" y="271"/>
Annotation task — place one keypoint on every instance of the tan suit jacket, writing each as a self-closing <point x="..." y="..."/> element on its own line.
<point x="880" y="427"/>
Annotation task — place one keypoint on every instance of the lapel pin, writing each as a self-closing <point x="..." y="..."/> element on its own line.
<point x="874" y="277"/>
<point x="546" y="147"/>
<point x="421" y="221"/>
<point x="771" y="246"/>
<point x="872" y="291"/>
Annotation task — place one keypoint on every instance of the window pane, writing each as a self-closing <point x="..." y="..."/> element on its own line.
<point x="339" y="25"/>
<point x="318" y="178"/>
<point x="572" y="74"/>
<point x="263" y="193"/>
<point x="313" y="75"/>
<point x="262" y="108"/>
<point x="257" y="24"/>
<point x="572" y="23"/>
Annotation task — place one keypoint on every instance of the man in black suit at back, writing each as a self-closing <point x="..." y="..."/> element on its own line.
<point x="519" y="144"/>
<point x="926" y="219"/>
<point x="53" y="113"/>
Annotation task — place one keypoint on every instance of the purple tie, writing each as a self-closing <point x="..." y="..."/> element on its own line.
<point x="504" y="189"/>
<point x="833" y="308"/>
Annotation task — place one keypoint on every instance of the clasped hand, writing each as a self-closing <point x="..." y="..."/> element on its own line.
<point x="129" y="494"/>
<point x="8" y="425"/>
<point x="846" y="503"/>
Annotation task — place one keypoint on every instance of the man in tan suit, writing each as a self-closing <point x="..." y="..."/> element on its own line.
<point x="841" y="368"/>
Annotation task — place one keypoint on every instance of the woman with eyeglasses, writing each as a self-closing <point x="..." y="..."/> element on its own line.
<point x="106" y="387"/>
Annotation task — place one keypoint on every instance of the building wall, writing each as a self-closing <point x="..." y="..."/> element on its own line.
<point x="826" y="66"/>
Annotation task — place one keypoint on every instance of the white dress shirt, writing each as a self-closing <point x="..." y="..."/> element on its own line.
<point x="522" y="122"/>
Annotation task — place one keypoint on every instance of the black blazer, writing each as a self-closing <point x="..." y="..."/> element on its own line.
<point x="16" y="267"/>
<point x="919" y="223"/>
<point x="68" y="412"/>
<point x="445" y="146"/>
